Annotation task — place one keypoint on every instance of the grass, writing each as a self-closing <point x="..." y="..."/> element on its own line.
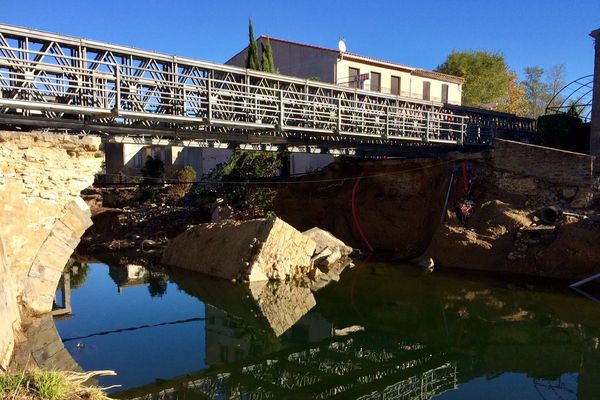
<point x="48" y="385"/>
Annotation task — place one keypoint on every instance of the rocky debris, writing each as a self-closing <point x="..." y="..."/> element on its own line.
<point x="259" y="250"/>
<point x="569" y="192"/>
<point x="583" y="199"/>
<point x="144" y="229"/>
<point x="520" y="225"/>
<point x="331" y="254"/>
<point x="325" y="240"/>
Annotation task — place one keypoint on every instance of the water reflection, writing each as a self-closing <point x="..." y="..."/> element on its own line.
<point x="424" y="337"/>
<point x="272" y="306"/>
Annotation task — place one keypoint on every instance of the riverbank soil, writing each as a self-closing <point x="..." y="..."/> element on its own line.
<point x="505" y="231"/>
<point x="493" y="220"/>
<point x="394" y="207"/>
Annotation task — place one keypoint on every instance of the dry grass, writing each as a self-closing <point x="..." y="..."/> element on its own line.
<point x="50" y="385"/>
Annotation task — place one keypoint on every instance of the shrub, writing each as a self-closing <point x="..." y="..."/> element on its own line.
<point x="250" y="199"/>
<point x="153" y="168"/>
<point x="185" y="174"/>
<point x="148" y="194"/>
<point x="564" y="131"/>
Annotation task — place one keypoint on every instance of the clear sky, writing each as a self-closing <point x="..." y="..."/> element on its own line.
<point x="417" y="33"/>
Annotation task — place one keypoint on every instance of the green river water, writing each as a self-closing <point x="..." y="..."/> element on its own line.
<point x="384" y="331"/>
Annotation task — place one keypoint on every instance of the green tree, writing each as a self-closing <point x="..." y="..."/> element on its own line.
<point x="252" y="61"/>
<point x="487" y="77"/>
<point x="267" y="62"/>
<point x="515" y="101"/>
<point x="536" y="90"/>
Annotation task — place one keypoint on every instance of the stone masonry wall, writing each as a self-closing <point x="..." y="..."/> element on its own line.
<point x="9" y="312"/>
<point x="552" y="165"/>
<point x="42" y="217"/>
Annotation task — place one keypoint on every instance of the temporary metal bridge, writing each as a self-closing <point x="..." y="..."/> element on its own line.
<point x="60" y="82"/>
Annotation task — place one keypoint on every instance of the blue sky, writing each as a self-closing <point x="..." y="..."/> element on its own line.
<point x="416" y="33"/>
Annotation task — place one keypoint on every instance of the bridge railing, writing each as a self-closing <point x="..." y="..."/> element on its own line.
<point x="60" y="78"/>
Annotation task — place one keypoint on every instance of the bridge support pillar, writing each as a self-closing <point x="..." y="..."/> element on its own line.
<point x="595" y="128"/>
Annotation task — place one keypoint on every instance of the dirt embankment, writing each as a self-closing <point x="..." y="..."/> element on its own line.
<point x="398" y="204"/>
<point x="505" y="233"/>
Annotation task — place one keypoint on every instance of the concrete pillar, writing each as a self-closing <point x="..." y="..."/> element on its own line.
<point x="595" y="129"/>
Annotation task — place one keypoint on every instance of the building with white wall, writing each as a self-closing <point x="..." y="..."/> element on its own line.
<point x="348" y="69"/>
<point x="128" y="159"/>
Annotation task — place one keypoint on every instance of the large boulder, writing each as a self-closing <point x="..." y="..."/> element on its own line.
<point x="325" y="239"/>
<point x="255" y="250"/>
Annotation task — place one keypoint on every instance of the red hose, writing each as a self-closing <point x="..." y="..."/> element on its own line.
<point x="355" y="215"/>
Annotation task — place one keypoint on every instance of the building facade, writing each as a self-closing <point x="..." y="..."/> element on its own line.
<point x="353" y="70"/>
<point x="127" y="159"/>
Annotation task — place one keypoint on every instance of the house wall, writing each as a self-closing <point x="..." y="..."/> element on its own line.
<point x="410" y="85"/>
<point x="203" y="160"/>
<point x="128" y="159"/>
<point x="330" y="66"/>
<point x="294" y="60"/>
<point x="301" y="163"/>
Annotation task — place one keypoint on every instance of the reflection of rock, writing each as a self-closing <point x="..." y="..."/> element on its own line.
<point x="255" y="250"/>
<point x="282" y="303"/>
<point x="271" y="306"/>
<point x="43" y="348"/>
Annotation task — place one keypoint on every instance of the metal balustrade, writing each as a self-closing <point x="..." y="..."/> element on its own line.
<point x="57" y="81"/>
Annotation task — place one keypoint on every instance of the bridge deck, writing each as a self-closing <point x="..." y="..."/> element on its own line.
<point x="57" y="81"/>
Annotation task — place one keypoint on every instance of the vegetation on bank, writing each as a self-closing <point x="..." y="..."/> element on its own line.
<point x="241" y="183"/>
<point x="50" y="385"/>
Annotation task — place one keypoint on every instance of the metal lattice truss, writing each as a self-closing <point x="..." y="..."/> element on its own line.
<point x="575" y="97"/>
<point x="55" y="81"/>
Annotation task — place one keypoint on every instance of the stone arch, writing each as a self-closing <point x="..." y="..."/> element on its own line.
<point x="42" y="218"/>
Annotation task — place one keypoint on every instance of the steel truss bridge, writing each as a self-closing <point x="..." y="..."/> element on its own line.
<point x="58" y="82"/>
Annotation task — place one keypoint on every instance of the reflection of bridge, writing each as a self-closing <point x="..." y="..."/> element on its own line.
<point x="56" y="81"/>
<point x="353" y="367"/>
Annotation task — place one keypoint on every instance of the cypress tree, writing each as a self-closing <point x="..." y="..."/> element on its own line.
<point x="252" y="56"/>
<point x="264" y="62"/>
<point x="268" y="63"/>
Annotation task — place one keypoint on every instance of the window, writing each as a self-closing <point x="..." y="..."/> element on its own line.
<point x="395" y="85"/>
<point x="426" y="90"/>
<point x="352" y="75"/>
<point x="376" y="81"/>
<point x="444" y="93"/>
